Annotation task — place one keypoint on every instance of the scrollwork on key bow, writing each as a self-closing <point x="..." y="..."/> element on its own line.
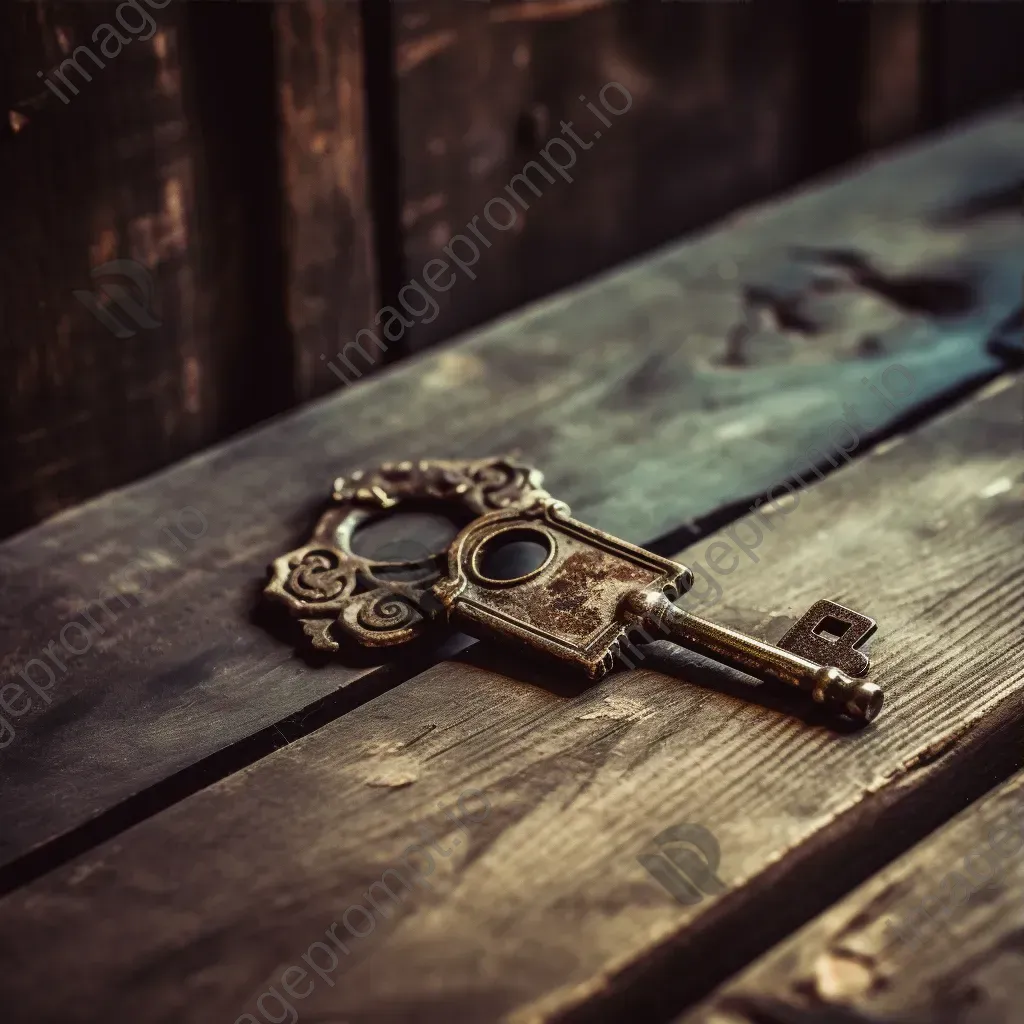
<point x="332" y="591"/>
<point x="480" y="485"/>
<point x="382" y="616"/>
<point x="321" y="575"/>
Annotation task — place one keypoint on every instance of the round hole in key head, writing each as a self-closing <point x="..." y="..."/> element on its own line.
<point x="407" y="545"/>
<point x="513" y="555"/>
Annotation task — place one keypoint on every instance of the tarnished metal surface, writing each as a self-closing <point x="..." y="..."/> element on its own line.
<point x="331" y="589"/>
<point x="593" y="591"/>
<point x="566" y="607"/>
<point x="587" y="595"/>
<point x="831" y="633"/>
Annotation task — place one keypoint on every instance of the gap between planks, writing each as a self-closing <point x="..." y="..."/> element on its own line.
<point x="935" y="938"/>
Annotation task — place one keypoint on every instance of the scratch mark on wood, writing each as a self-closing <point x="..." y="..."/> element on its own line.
<point x="415" y="209"/>
<point x="542" y="10"/>
<point x="411" y="55"/>
<point x="931" y="753"/>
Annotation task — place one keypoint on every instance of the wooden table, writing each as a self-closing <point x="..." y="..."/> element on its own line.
<point x="200" y="825"/>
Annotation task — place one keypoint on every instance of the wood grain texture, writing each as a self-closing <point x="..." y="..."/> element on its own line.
<point x="665" y="391"/>
<point x="935" y="938"/>
<point x="331" y="276"/>
<point x="717" y="119"/>
<point x="894" y="104"/>
<point x="229" y="180"/>
<point x="540" y="904"/>
<point x="110" y="174"/>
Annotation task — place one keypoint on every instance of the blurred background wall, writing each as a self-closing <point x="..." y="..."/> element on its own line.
<point x="275" y="172"/>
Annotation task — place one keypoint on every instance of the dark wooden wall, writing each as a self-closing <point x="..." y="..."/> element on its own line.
<point x="281" y="170"/>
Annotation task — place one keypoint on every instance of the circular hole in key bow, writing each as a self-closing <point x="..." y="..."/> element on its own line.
<point x="513" y="555"/>
<point x="405" y="546"/>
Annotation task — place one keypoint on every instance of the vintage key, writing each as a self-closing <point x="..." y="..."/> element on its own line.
<point x="589" y="593"/>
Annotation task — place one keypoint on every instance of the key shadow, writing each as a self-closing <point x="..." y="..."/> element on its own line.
<point x="526" y="666"/>
<point x="685" y="667"/>
<point x="690" y="667"/>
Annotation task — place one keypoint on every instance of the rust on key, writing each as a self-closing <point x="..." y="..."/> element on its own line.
<point x="590" y="592"/>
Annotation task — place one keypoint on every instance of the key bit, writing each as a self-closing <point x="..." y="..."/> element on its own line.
<point x="589" y="593"/>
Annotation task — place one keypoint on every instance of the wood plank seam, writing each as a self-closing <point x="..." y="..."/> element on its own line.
<point x="574" y="800"/>
<point x="242" y="755"/>
<point x="654" y="990"/>
<point x="906" y="420"/>
<point x="384" y="160"/>
<point x="819" y="460"/>
<point x="236" y="757"/>
<point x="846" y="966"/>
<point x="880" y="446"/>
<point x="570" y="350"/>
<point x="997" y="715"/>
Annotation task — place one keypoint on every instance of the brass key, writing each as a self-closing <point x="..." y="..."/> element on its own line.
<point x="590" y="592"/>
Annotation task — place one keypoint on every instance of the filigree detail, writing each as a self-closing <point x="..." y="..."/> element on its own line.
<point x="319" y="583"/>
<point x="480" y="485"/>
<point x="319" y="633"/>
<point x="321" y="576"/>
<point x="382" y="612"/>
<point x="314" y="579"/>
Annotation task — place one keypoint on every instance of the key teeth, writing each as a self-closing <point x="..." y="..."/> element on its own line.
<point x="803" y="640"/>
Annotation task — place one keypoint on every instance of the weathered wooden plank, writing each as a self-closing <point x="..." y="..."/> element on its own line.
<point x="100" y="163"/>
<point x="156" y="156"/>
<point x="332" y="292"/>
<point x="643" y="396"/>
<point x="539" y="903"/>
<point x="894" y="104"/>
<point x="935" y="937"/>
<point x="716" y="112"/>
<point x="731" y="101"/>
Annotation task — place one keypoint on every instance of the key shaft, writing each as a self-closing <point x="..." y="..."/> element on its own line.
<point x="826" y="684"/>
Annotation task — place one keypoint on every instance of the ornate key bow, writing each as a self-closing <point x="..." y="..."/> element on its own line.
<point x="330" y="589"/>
